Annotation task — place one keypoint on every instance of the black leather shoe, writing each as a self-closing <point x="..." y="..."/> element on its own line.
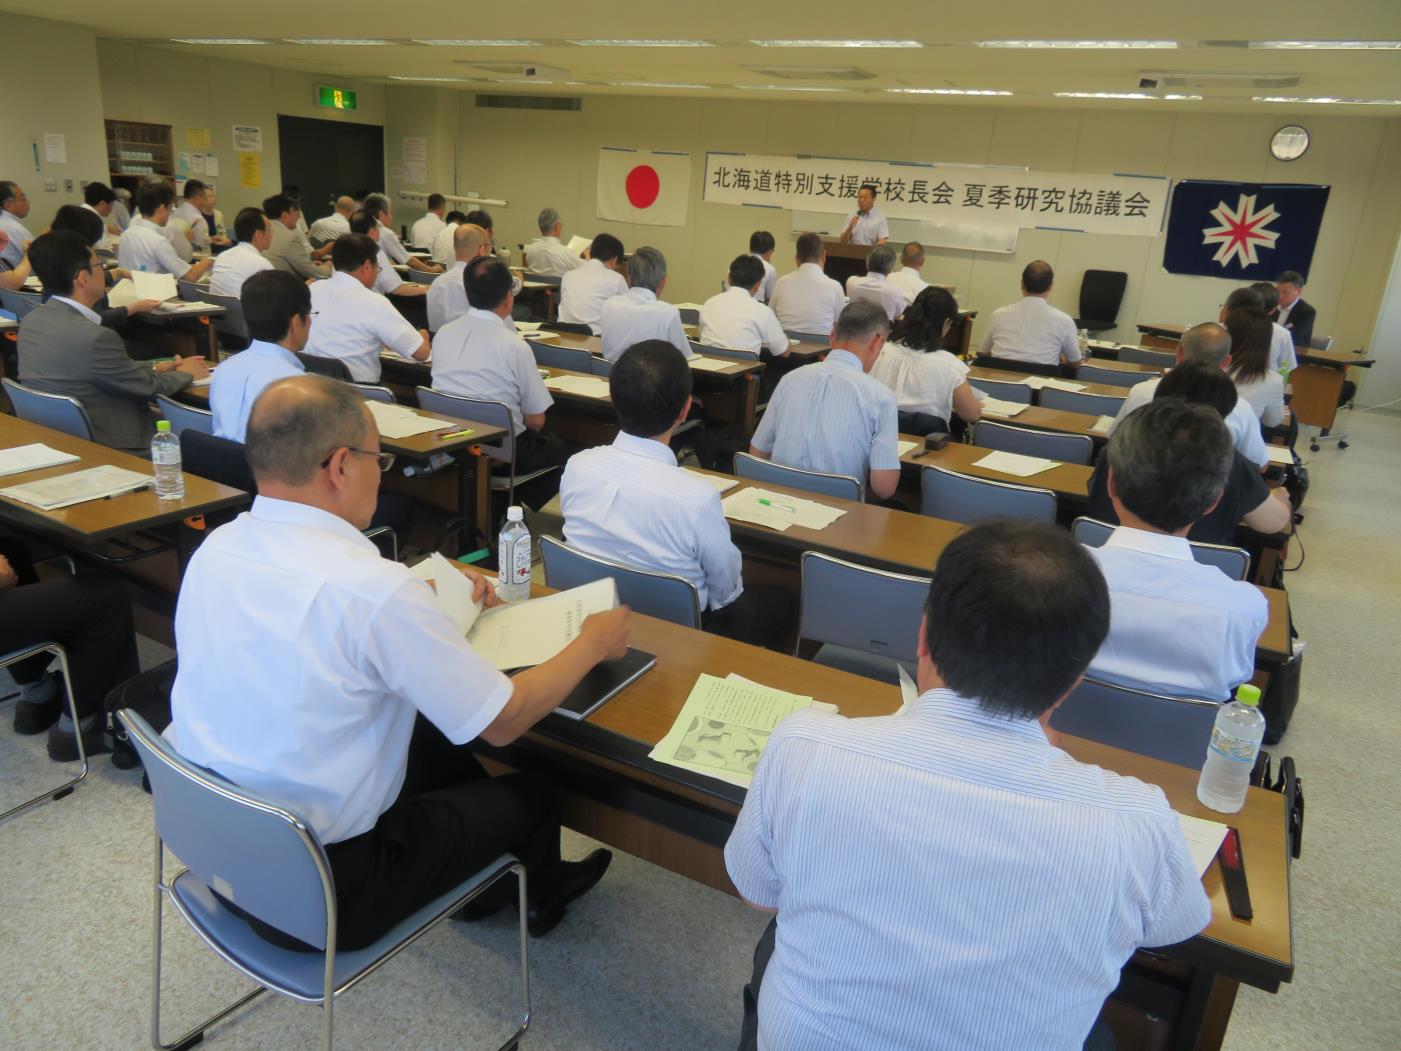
<point x="31" y="718"/>
<point x="576" y="878"/>
<point x="63" y="746"/>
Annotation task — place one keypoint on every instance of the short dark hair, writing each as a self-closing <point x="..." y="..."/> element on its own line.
<point x="151" y="197"/>
<point x="1015" y="587"/>
<point x="58" y="258"/>
<point x="436" y="200"/>
<point x="292" y="190"/>
<point x="1290" y="277"/>
<point x="95" y="193"/>
<point x="605" y="247"/>
<point x="377" y="204"/>
<point x="479" y="217"/>
<point x="1037" y="277"/>
<point x="809" y="248"/>
<point x="1201" y="384"/>
<point x="455" y="217"/>
<point x="289" y="446"/>
<point x="488" y="282"/>
<point x="1171" y="459"/>
<point x="278" y="205"/>
<point x="745" y="271"/>
<point x="271" y="299"/>
<point x="760" y="241"/>
<point x="86" y="224"/>
<point x="1246" y="298"/>
<point x="875" y="190"/>
<point x="649" y="385"/>
<point x="1269" y="294"/>
<point x="8" y="191"/>
<point x="247" y="222"/>
<point x="352" y="251"/>
<point x="859" y="321"/>
<point x="193" y="188"/>
<point x="363" y="221"/>
<point x="921" y="327"/>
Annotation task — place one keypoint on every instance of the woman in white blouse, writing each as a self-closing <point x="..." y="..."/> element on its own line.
<point x="927" y="380"/>
<point x="1251" y="334"/>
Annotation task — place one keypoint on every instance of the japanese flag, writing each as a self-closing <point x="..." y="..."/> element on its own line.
<point x="643" y="186"/>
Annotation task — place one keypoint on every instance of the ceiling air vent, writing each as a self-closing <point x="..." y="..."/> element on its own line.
<point x="813" y="72"/>
<point x="555" y="102"/>
<point x="1180" y="78"/>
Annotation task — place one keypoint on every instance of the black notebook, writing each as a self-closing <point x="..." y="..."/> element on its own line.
<point x="605" y="681"/>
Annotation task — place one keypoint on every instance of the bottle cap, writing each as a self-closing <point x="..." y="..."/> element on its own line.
<point x="515" y="514"/>
<point x="163" y="426"/>
<point x="1248" y="694"/>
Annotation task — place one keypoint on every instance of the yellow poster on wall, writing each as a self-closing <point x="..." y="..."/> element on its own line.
<point x="197" y="138"/>
<point x="250" y="170"/>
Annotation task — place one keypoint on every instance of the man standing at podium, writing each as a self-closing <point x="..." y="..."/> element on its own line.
<point x="866" y="225"/>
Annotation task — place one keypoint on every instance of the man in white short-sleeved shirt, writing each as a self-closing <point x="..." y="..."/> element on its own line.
<point x="547" y="254"/>
<point x="874" y="285"/>
<point x="908" y="279"/>
<point x="832" y="416"/>
<point x="866" y="226"/>
<point x="14" y="209"/>
<point x="387" y="280"/>
<point x="584" y="290"/>
<point x="145" y="245"/>
<point x="761" y="246"/>
<point x="925" y="866"/>
<point x="735" y="319"/>
<point x="364" y="694"/>
<point x="234" y="266"/>
<point x="377" y="204"/>
<point x="640" y="314"/>
<point x="353" y="322"/>
<point x="426" y="228"/>
<point x="1032" y="330"/>
<point x="192" y="212"/>
<point x="807" y="300"/>
<point x="337" y="224"/>
<point x="447" y="296"/>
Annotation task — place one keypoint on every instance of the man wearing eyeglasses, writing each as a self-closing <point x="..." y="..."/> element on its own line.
<point x="327" y="679"/>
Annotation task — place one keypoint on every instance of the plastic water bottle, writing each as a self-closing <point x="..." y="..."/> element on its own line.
<point x="513" y="558"/>
<point x="1235" y="742"/>
<point x="1084" y="341"/>
<point x="165" y="456"/>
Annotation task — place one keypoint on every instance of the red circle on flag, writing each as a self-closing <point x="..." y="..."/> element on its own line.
<point x="643" y="186"/>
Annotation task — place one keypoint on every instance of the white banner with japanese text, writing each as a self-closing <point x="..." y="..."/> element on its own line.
<point x="988" y="196"/>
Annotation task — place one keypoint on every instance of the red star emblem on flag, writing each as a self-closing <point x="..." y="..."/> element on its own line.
<point x="1241" y="231"/>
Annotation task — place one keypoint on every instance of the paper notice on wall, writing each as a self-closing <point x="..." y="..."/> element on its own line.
<point x="416" y="150"/>
<point x="415" y="174"/>
<point x="197" y="138"/>
<point x="197" y="164"/>
<point x="211" y="165"/>
<point x="248" y="138"/>
<point x="182" y="164"/>
<point x="250" y="170"/>
<point x="55" y="148"/>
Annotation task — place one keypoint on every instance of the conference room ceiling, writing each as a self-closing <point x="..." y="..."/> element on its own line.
<point x="1203" y="54"/>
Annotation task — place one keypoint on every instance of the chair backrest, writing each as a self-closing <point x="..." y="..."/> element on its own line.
<point x="1111" y="377"/>
<point x="494" y="413"/>
<point x="232" y="323"/>
<point x="890" y="606"/>
<point x="1101" y="295"/>
<point x="724" y="352"/>
<point x="757" y="469"/>
<point x="421" y="277"/>
<point x="1315" y="342"/>
<point x="689" y="315"/>
<point x="374" y="392"/>
<point x="1233" y="561"/>
<point x="1163" y="359"/>
<point x="963" y="498"/>
<point x="809" y="337"/>
<point x="1168" y="728"/>
<point x="192" y="291"/>
<point x="20" y="303"/>
<point x="1067" y="448"/>
<point x="574" y="328"/>
<point x="185" y="417"/>
<point x="333" y="367"/>
<point x="1079" y="401"/>
<point x="58" y="411"/>
<point x="1007" y="390"/>
<point x="661" y="595"/>
<point x="600" y="366"/>
<point x="218" y="459"/>
<point x="1031" y="368"/>
<point x="576" y="359"/>
<point x="245" y="848"/>
<point x="553" y="280"/>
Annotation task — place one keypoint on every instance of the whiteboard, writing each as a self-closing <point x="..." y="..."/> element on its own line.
<point x="965" y="236"/>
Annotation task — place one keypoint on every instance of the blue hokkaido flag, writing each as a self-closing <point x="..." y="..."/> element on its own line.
<point x="1242" y="230"/>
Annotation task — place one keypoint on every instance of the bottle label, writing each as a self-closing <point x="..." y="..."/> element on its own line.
<point x="1236" y="749"/>
<point x="517" y="563"/>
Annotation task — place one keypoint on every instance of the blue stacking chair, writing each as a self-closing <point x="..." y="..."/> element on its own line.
<point x="1067" y="448"/>
<point x="59" y="791"/>
<point x="1173" y="729"/>
<point x="1004" y="389"/>
<point x="964" y="498"/>
<point x="885" y="632"/>
<point x="184" y="417"/>
<point x="661" y="595"/>
<point x="1233" y="561"/>
<point x="575" y="359"/>
<point x="1079" y="401"/>
<point x="757" y="469"/>
<point x="1111" y="377"/>
<point x="58" y="411"/>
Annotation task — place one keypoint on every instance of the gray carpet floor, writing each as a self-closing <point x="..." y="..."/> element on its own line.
<point x="651" y="960"/>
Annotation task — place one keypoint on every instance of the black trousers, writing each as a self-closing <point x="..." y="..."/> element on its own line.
<point x="536" y="450"/>
<point x="761" y="616"/>
<point x="89" y="614"/>
<point x="1101" y="1037"/>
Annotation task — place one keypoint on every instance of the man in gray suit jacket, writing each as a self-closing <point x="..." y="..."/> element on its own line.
<point x="63" y="349"/>
<point x="290" y="250"/>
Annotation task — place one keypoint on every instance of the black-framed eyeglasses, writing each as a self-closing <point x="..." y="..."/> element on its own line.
<point x="386" y="460"/>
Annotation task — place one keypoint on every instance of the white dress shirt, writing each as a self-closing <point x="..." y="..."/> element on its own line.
<point x="19" y="237"/>
<point x="447" y="296"/>
<point x="735" y="319"/>
<point x="871" y="228"/>
<point x="770" y="279"/>
<point x="910" y="282"/>
<point x="1283" y="317"/>
<point x="193" y="218"/>
<point x="1242" y="422"/>
<point x="444" y="251"/>
<point x="921" y="382"/>
<point x="175" y="233"/>
<point x="807" y="300"/>
<point x="308" y="658"/>
<point x="233" y="266"/>
<point x="831" y="417"/>
<point x="478" y="357"/>
<point x="1282" y="354"/>
<point x="329" y="228"/>
<point x="639" y="315"/>
<point x="1032" y="330"/>
<point x="425" y="230"/>
<point x="241" y="378"/>
<point x="550" y="257"/>
<point x="947" y="880"/>
<point x="1176" y="626"/>
<point x="631" y="502"/>
<point x="583" y="291"/>
<point x="144" y="246"/>
<point x="876" y="288"/>
<point x="1265" y="395"/>
<point x="353" y="324"/>
<point x="107" y="242"/>
<point x="387" y="281"/>
<point x="390" y="244"/>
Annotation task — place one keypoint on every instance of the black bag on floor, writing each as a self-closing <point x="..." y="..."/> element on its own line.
<point x="1291" y="786"/>
<point x="1280" y="698"/>
<point x="1296" y="482"/>
<point x="147" y="694"/>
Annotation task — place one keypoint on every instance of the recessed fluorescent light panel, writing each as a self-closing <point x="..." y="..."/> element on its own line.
<point x="1104" y="45"/>
<point x="642" y="43"/>
<point x="479" y="43"/>
<point x="1327" y="45"/>
<point x="215" y="40"/>
<point x="1327" y="100"/>
<point x="1134" y="95"/>
<point x="434" y="80"/>
<point x="326" y="42"/>
<point x="783" y="87"/>
<point x="946" y="91"/>
<point x="654" y="84"/>
<point x="836" y="43"/>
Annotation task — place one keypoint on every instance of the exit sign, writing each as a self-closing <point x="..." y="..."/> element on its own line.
<point x="334" y="98"/>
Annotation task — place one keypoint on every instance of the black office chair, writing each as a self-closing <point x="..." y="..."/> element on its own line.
<point x="333" y="367"/>
<point x="1101" y="295"/>
<point x="1026" y="368"/>
<point x="572" y="327"/>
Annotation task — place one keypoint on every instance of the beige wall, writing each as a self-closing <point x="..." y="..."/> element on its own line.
<point x="187" y="90"/>
<point x="538" y="158"/>
<point x="51" y="87"/>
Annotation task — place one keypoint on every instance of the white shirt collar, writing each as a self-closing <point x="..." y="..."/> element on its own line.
<point x="458" y="264"/>
<point x="141" y="220"/>
<point x="1035" y="299"/>
<point x="653" y="450"/>
<point x="290" y="512"/>
<point x="349" y="280"/>
<point x="1160" y="544"/>
<point x="949" y="704"/>
<point x="485" y="315"/>
<point x="811" y="267"/>
<point x="263" y="348"/>
<point x="872" y="275"/>
<point x="742" y="291"/>
<point x="645" y="295"/>
<point x="87" y="312"/>
<point x="844" y="359"/>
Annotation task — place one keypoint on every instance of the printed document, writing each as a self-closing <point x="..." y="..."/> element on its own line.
<point x="1015" y="464"/>
<point x="78" y="487"/>
<point x="32" y="458"/>
<point x="1203" y="839"/>
<point x="721" y="484"/>
<point x="588" y="386"/>
<point x="1005" y="409"/>
<point x="704" y="364"/>
<point x="778" y="510"/>
<point x="147" y="285"/>
<point x="399" y="421"/>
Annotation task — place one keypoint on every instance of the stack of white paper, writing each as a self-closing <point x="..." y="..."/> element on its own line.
<point x="588" y="386"/>
<point x="1102" y="424"/>
<point x="78" y="487"/>
<point x="1278" y="454"/>
<point x="577" y="244"/>
<point x="1015" y="464"/>
<point x="1102" y="344"/>
<point x="539" y="336"/>
<point x="907" y="447"/>
<point x="399" y="421"/>
<point x="1004" y="409"/>
<point x="1040" y="382"/>
<point x="528" y="326"/>
<point x="32" y="458"/>
<point x="1203" y="839"/>
<point x="147" y="285"/>
<point x="179" y="306"/>
<point x="704" y="364"/>
<point x="778" y="510"/>
<point x="719" y="482"/>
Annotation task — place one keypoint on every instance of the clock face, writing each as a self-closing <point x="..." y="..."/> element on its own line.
<point x="1289" y="143"/>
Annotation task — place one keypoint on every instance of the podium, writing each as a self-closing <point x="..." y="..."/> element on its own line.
<point x="845" y="260"/>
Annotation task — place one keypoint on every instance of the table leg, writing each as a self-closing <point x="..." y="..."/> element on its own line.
<point x="212" y="338"/>
<point x="749" y="403"/>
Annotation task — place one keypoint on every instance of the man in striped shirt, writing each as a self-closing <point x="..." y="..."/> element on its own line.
<point x="946" y="877"/>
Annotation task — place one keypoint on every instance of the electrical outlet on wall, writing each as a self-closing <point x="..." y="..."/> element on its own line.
<point x="68" y="185"/>
<point x="51" y="186"/>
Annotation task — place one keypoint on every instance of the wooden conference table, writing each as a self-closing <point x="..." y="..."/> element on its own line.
<point x="1103" y="390"/>
<point x="1180" y="997"/>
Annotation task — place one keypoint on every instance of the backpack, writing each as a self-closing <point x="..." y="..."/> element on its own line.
<point x="147" y="694"/>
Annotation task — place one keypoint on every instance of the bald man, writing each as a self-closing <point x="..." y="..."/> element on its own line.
<point x="908" y="279"/>
<point x="447" y="295"/>
<point x="325" y="231"/>
<point x="360" y="707"/>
